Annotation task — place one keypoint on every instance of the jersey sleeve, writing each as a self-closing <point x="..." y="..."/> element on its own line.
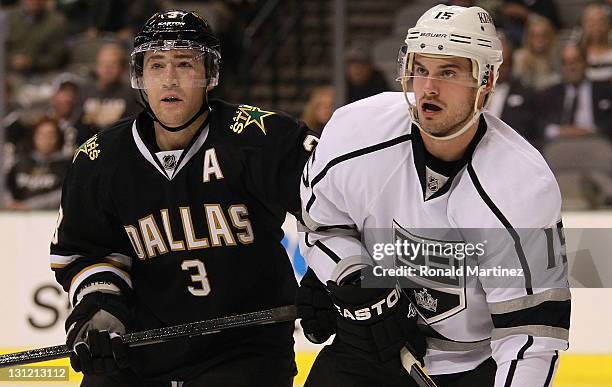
<point x="289" y="145"/>
<point x="530" y="301"/>
<point x="329" y="234"/>
<point x="90" y="250"/>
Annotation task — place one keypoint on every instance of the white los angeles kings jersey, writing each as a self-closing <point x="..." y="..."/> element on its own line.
<point x="498" y="283"/>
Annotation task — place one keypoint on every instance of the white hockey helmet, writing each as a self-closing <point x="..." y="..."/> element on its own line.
<point x="459" y="32"/>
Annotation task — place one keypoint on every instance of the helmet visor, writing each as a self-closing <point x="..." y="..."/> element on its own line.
<point x="174" y="63"/>
<point x="411" y="82"/>
<point x="410" y="72"/>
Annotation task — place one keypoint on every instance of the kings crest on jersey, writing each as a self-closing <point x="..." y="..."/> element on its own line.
<point x="193" y="234"/>
<point x="371" y="185"/>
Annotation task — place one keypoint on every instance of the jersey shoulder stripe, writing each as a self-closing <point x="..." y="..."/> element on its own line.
<point x="528" y="195"/>
<point x="515" y="237"/>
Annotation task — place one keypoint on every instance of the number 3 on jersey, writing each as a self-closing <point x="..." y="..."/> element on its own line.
<point x="200" y="278"/>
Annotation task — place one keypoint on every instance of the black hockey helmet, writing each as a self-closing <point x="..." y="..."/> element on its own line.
<point x="175" y="30"/>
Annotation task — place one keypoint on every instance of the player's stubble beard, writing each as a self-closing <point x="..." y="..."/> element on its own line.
<point x="456" y="117"/>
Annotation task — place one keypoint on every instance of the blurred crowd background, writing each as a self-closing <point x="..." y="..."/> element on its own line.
<point x="66" y="76"/>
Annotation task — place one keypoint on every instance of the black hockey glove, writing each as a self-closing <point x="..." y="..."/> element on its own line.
<point x="315" y="308"/>
<point x="374" y="321"/>
<point x="93" y="332"/>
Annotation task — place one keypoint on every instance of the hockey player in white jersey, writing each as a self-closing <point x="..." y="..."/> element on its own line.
<point x="431" y="167"/>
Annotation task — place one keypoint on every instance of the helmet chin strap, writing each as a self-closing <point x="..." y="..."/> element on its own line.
<point x="147" y="107"/>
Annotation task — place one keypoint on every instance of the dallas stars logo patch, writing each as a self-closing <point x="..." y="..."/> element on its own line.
<point x="90" y="148"/>
<point x="247" y="115"/>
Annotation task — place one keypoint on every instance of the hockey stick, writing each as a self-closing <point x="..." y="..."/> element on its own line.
<point x="415" y="370"/>
<point x="206" y="327"/>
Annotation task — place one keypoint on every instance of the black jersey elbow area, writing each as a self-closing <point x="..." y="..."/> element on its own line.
<point x="549" y="313"/>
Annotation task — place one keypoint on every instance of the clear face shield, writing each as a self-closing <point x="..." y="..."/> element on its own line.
<point x="416" y="78"/>
<point x="411" y="73"/>
<point x="174" y="63"/>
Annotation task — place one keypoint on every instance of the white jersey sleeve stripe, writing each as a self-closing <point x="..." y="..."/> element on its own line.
<point x="517" y="241"/>
<point x="58" y="261"/>
<point x="95" y="269"/>
<point x="123" y="260"/>
<point x="455" y="346"/>
<point x="529" y="301"/>
<point x="531" y="330"/>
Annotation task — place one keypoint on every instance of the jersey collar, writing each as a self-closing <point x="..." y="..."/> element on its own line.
<point x="144" y="137"/>
<point x="452" y="169"/>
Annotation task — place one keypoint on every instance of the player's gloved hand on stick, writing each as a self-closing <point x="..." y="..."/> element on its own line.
<point x="374" y="320"/>
<point x="315" y="308"/>
<point x="93" y="332"/>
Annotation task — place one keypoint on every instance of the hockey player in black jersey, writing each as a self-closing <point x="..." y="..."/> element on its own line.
<point x="175" y="216"/>
<point x="430" y="167"/>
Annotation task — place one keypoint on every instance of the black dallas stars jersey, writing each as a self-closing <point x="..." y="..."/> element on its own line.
<point x="194" y="234"/>
<point x="369" y="174"/>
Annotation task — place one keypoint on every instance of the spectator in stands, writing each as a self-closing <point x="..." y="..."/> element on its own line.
<point x="577" y="106"/>
<point x="16" y="132"/>
<point x="65" y="107"/>
<point x="35" y="181"/>
<point x="514" y="16"/>
<point x="536" y="64"/>
<point x="596" y="41"/>
<point x="514" y="103"/>
<point x="362" y="78"/>
<point x="95" y="18"/>
<point x="110" y="98"/>
<point x="36" y="35"/>
<point x="319" y="108"/>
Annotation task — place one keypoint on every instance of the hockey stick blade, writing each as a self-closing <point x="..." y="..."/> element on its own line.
<point x="415" y="370"/>
<point x="269" y="316"/>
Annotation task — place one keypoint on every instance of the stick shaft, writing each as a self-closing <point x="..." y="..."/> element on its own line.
<point x="274" y="315"/>
<point x="415" y="370"/>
